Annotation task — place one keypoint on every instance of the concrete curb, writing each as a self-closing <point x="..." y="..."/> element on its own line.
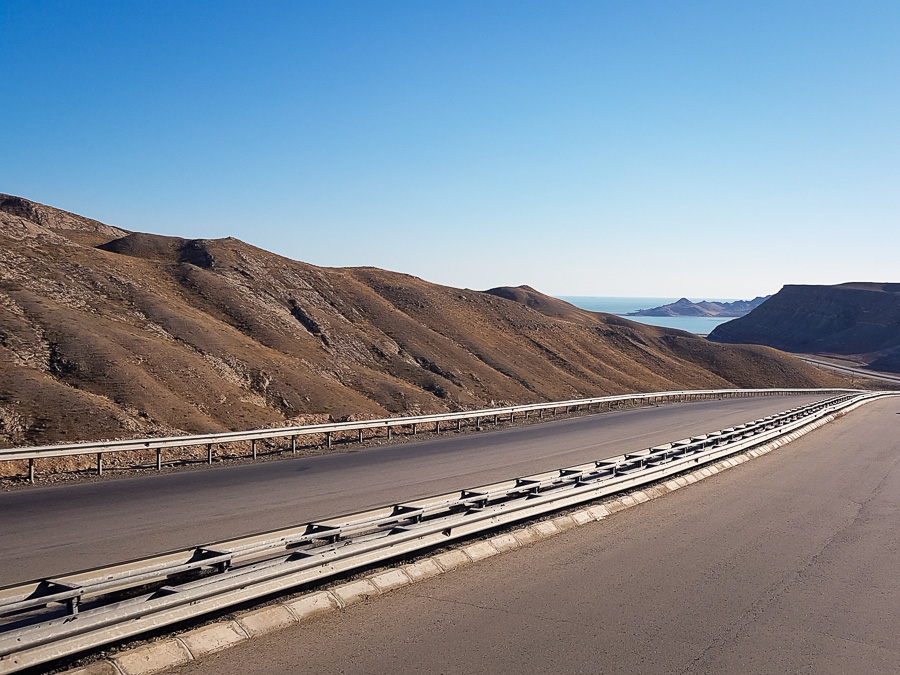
<point x="174" y="651"/>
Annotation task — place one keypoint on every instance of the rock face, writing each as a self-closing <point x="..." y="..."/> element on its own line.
<point x="685" y="307"/>
<point x="106" y="333"/>
<point x="860" y="321"/>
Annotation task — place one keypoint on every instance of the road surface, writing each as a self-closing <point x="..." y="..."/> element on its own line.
<point x="861" y="372"/>
<point x="52" y="530"/>
<point x="786" y="564"/>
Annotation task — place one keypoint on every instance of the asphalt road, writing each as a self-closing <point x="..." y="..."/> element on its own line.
<point x="52" y="530"/>
<point x="785" y="564"/>
<point x="869" y="374"/>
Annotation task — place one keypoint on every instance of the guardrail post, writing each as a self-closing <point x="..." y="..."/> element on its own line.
<point x="542" y="413"/>
<point x="389" y="433"/>
<point x="459" y="424"/>
<point x="496" y="420"/>
<point x="360" y="436"/>
<point x="31" y="470"/>
<point x="478" y="424"/>
<point x="293" y="445"/>
<point x="328" y="440"/>
<point x="159" y="459"/>
<point x="415" y="429"/>
<point x="99" y="463"/>
<point x="209" y="453"/>
<point x="512" y="417"/>
<point x="437" y="427"/>
<point x="253" y="448"/>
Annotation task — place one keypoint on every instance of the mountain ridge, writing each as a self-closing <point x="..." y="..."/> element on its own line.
<point x="108" y="333"/>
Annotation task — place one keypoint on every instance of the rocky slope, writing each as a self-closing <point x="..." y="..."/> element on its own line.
<point x="107" y="333"/>
<point x="859" y="321"/>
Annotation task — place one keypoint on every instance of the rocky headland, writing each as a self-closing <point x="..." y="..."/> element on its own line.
<point x="859" y="322"/>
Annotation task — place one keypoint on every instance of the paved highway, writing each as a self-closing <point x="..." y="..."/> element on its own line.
<point x="786" y="564"/>
<point x="869" y="374"/>
<point x="52" y="530"/>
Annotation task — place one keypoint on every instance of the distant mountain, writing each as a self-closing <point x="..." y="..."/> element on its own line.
<point x="685" y="307"/>
<point x="107" y="333"/>
<point x="857" y="321"/>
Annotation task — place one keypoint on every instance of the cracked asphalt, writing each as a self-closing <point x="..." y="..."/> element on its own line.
<point x="786" y="564"/>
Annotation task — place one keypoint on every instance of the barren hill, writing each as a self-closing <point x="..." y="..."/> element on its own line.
<point x="858" y="321"/>
<point x="107" y="333"/>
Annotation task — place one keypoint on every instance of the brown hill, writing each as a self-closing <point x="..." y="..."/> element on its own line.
<point x="857" y="321"/>
<point x="106" y="333"/>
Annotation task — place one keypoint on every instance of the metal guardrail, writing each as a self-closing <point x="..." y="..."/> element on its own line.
<point x="50" y="618"/>
<point x="99" y="448"/>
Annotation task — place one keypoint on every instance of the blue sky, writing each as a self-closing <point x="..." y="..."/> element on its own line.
<point x="700" y="149"/>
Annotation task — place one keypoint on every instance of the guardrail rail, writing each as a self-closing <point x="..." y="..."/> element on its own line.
<point x="291" y="434"/>
<point x="47" y="619"/>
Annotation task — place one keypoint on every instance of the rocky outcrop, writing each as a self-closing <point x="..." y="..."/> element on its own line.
<point x="860" y="321"/>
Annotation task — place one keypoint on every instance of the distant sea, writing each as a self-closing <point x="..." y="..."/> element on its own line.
<point x="693" y="324"/>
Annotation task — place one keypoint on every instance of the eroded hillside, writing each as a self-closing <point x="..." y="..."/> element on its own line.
<point x="855" y="321"/>
<point x="107" y="333"/>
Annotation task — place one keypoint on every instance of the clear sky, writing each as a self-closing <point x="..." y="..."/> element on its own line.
<point x="672" y="148"/>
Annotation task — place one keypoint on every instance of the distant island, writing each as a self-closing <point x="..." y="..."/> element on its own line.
<point x="685" y="307"/>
